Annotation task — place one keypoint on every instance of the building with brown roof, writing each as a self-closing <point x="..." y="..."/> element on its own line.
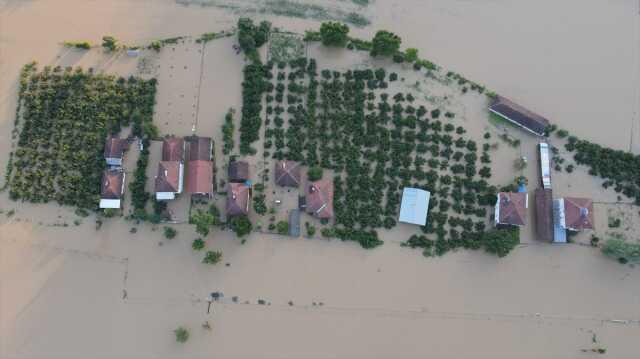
<point x="169" y="180"/>
<point x="511" y="208"/>
<point x="287" y="173"/>
<point x="114" y="149"/>
<point x="544" y="214"/>
<point x="237" y="199"/>
<point x="575" y="214"/>
<point x="112" y="191"/>
<point x="200" y="148"/>
<point x="173" y="149"/>
<point x="238" y="171"/>
<point x="519" y="115"/>
<point x="319" y="198"/>
<point x="200" y="178"/>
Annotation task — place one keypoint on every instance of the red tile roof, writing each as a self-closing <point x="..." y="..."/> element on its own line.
<point x="320" y="198"/>
<point x="173" y="149"/>
<point x="513" y="208"/>
<point x="114" y="147"/>
<point x="237" y="199"/>
<point x="238" y="171"/>
<point x="200" y="177"/>
<point x="112" y="184"/>
<point x="168" y="179"/>
<point x="287" y="173"/>
<point x="199" y="148"/>
<point x="578" y="213"/>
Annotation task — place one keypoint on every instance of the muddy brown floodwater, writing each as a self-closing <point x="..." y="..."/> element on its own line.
<point x="62" y="289"/>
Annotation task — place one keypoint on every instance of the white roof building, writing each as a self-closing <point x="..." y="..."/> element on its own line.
<point x="414" y="206"/>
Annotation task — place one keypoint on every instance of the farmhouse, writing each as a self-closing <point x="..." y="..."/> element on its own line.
<point x="238" y="171"/>
<point x="237" y="199"/>
<point x="287" y="173"/>
<point x="200" y="167"/>
<point x="319" y="198"/>
<point x="112" y="191"/>
<point x="574" y="214"/>
<point x="114" y="151"/>
<point x="519" y="115"/>
<point x="169" y="180"/>
<point x="544" y="214"/>
<point x="511" y="208"/>
<point x="414" y="206"/>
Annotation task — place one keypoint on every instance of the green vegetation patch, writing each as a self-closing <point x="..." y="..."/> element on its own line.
<point x="64" y="117"/>
<point x="286" y="47"/>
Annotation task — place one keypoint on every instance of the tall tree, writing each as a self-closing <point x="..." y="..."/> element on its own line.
<point x="334" y="34"/>
<point x="385" y="43"/>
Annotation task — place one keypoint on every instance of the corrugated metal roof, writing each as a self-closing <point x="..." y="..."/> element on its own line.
<point x="545" y="167"/>
<point x="414" y="206"/>
<point x="559" y="233"/>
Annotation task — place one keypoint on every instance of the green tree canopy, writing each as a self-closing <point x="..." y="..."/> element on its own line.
<point x="182" y="334"/>
<point x="334" y="34"/>
<point x="622" y="251"/>
<point x="385" y="43"/>
<point x="501" y="241"/>
<point x="241" y="225"/>
<point x="109" y="43"/>
<point x="410" y="55"/>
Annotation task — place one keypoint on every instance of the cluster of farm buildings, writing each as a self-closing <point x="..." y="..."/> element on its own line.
<point x="554" y="217"/>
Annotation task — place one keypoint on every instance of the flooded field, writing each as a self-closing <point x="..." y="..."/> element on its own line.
<point x="69" y="290"/>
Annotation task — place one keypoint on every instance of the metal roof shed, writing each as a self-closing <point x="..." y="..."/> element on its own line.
<point x="545" y="166"/>
<point x="414" y="206"/>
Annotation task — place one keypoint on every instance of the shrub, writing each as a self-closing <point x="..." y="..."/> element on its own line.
<point x="311" y="230"/>
<point x="212" y="257"/>
<point x="241" y="225"/>
<point x="198" y="244"/>
<point x="562" y="133"/>
<point x="501" y="241"/>
<point x="170" y="233"/>
<point x="282" y="227"/>
<point x="385" y="43"/>
<point x="83" y="45"/>
<point x="227" y="132"/>
<point x="411" y="54"/>
<point x="182" y="334"/>
<point x="109" y="43"/>
<point x="314" y="173"/>
<point x="334" y="34"/>
<point x="622" y="251"/>
<point x="204" y="220"/>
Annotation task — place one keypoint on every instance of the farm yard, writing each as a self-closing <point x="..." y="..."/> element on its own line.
<point x="320" y="135"/>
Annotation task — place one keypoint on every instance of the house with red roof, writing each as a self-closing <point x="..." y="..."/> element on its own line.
<point x="319" y="198"/>
<point x="511" y="209"/>
<point x="575" y="214"/>
<point x="238" y="195"/>
<point x="170" y="179"/>
<point x="112" y="188"/>
<point x="114" y="149"/>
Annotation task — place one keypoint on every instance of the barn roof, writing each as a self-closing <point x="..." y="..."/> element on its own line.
<point x="519" y="115"/>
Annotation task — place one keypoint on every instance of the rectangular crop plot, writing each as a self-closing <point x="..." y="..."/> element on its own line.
<point x="63" y="119"/>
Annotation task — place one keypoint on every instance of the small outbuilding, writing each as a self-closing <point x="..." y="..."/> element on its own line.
<point x="511" y="208"/>
<point x="237" y="199"/>
<point x="545" y="165"/>
<point x="544" y="214"/>
<point x="114" y="149"/>
<point x="519" y="115"/>
<point x="575" y="214"/>
<point x="414" y="206"/>
<point x="319" y="198"/>
<point x="112" y="191"/>
<point x="287" y="173"/>
<point x="238" y="171"/>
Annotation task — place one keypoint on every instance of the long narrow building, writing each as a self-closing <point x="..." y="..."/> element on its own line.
<point x="518" y="115"/>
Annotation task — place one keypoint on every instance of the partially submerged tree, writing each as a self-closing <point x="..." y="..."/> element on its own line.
<point x="385" y="43"/>
<point x="109" y="43"/>
<point x="334" y="34"/>
<point x="212" y="257"/>
<point x="501" y="241"/>
<point x="241" y="225"/>
<point x="182" y="334"/>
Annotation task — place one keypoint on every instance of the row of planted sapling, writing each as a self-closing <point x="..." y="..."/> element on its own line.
<point x="64" y="117"/>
